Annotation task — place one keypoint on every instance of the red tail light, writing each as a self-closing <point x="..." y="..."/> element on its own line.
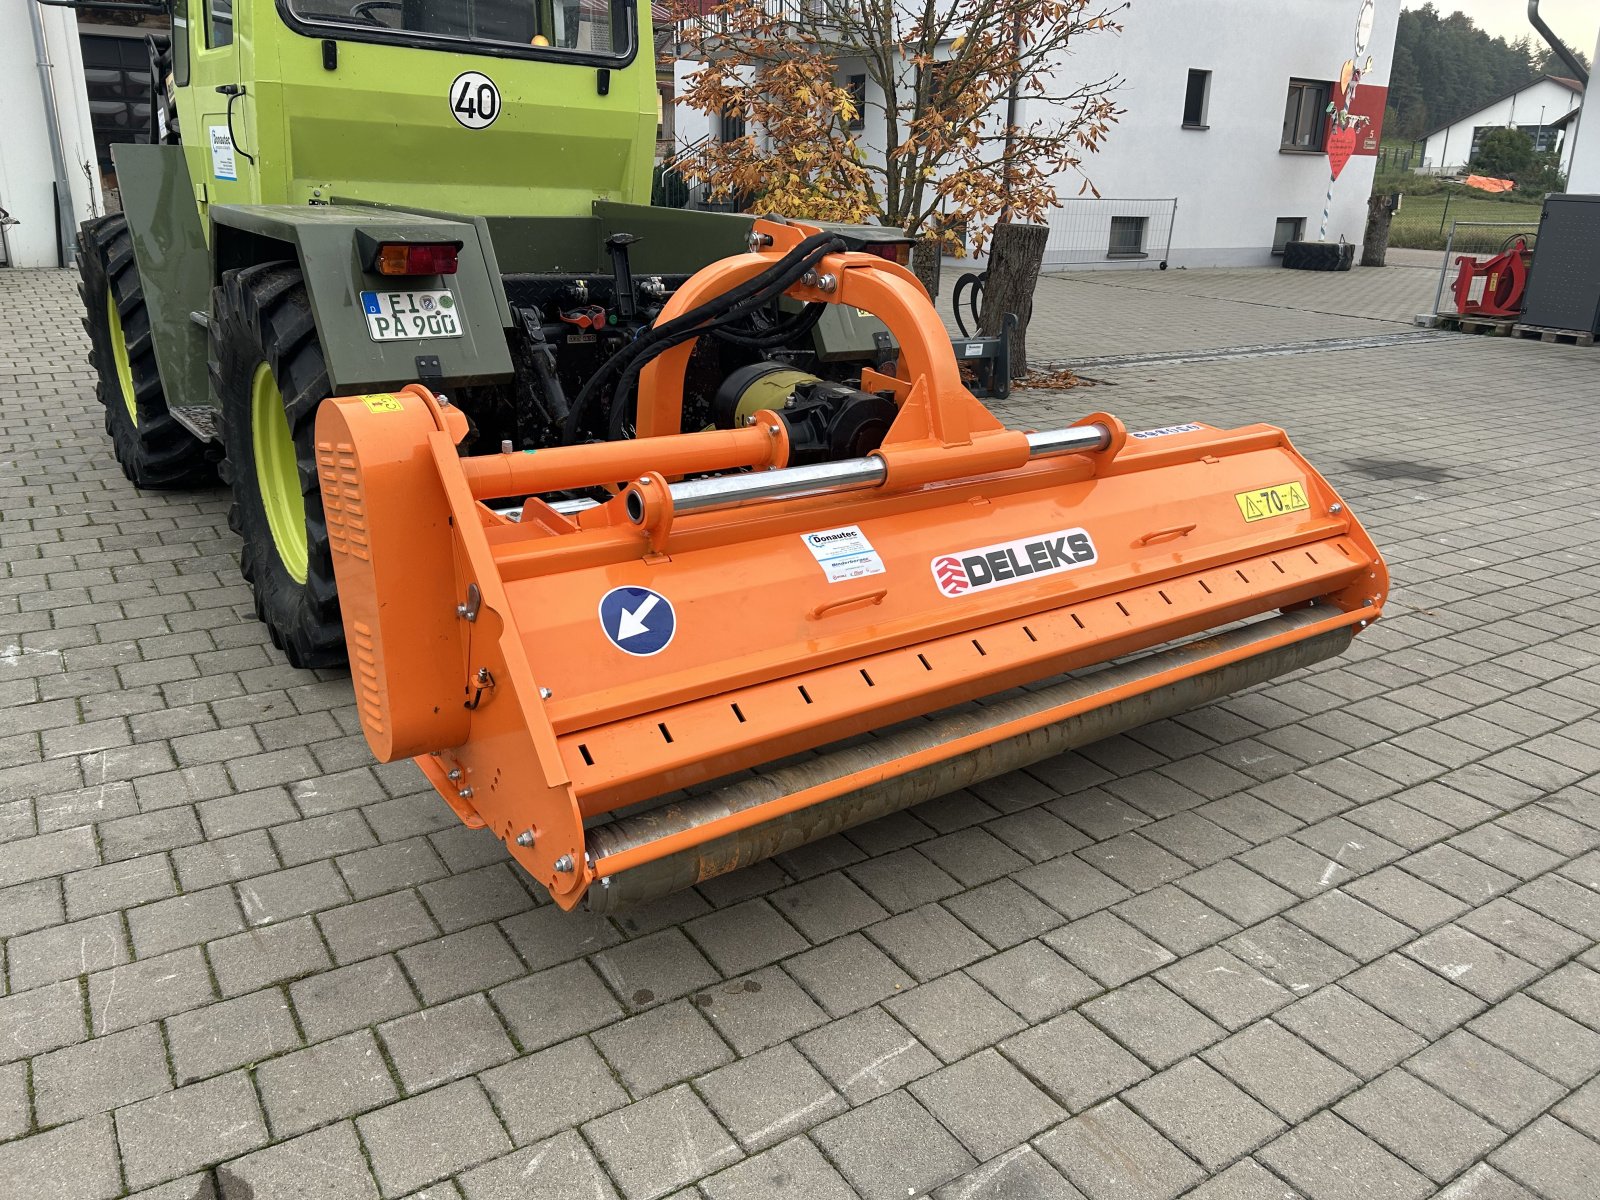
<point x="895" y="252"/>
<point x="416" y="258"/>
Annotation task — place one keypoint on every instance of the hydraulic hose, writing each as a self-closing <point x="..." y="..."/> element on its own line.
<point x="717" y="313"/>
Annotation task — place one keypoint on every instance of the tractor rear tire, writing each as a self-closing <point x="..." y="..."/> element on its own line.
<point x="268" y="376"/>
<point x="155" y="451"/>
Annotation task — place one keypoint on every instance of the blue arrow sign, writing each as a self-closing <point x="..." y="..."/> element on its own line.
<point x="637" y="620"/>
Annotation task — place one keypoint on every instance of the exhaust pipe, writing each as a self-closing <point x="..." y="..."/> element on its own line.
<point x="1574" y="64"/>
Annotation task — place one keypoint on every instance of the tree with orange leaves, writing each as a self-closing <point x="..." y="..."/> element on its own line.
<point x="970" y="113"/>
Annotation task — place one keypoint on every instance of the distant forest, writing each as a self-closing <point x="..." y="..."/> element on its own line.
<point x="1446" y="67"/>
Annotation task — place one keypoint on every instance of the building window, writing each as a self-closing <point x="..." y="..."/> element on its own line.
<point x="1305" y="115"/>
<point x="219" y="23"/>
<point x="1290" y="229"/>
<point x="1544" y="137"/>
<point x="857" y="87"/>
<point x="731" y="127"/>
<point x="1127" y="237"/>
<point x="664" y="112"/>
<point x="1196" y="99"/>
<point x="1477" y="138"/>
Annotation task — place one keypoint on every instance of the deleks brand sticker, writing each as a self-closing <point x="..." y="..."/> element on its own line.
<point x="965" y="571"/>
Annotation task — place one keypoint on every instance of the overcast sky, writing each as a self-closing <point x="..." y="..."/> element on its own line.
<point x="1575" y="21"/>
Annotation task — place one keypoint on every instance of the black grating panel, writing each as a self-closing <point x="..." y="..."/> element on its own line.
<point x="1564" y="283"/>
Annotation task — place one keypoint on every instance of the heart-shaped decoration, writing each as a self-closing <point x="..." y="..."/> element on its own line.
<point x="1341" y="145"/>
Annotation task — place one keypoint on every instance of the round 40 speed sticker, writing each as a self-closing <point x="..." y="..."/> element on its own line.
<point x="474" y="100"/>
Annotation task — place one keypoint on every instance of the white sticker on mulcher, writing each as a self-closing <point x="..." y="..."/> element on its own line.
<point x="843" y="553"/>
<point x="1166" y="431"/>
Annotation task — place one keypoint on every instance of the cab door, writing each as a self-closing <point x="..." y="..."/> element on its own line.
<point x="221" y="162"/>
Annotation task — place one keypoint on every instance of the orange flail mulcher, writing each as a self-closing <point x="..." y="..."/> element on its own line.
<point x="733" y="655"/>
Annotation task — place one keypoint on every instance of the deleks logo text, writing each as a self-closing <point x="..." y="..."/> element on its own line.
<point x="1012" y="562"/>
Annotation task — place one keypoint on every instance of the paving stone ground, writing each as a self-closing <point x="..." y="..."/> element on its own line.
<point x="1334" y="937"/>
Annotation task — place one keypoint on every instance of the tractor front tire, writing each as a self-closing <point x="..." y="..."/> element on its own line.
<point x="268" y="377"/>
<point x="155" y="451"/>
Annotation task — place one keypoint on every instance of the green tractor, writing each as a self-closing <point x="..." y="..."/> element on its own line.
<point x="346" y="196"/>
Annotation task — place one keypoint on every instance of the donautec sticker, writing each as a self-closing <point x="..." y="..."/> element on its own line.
<point x="1026" y="558"/>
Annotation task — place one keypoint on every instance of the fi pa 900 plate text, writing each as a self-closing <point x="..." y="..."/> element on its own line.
<point x="406" y="316"/>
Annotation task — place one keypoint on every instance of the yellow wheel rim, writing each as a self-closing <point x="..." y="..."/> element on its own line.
<point x="278" y="473"/>
<point x="119" y="356"/>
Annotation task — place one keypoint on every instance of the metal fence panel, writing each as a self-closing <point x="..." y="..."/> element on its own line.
<point x="1110" y="232"/>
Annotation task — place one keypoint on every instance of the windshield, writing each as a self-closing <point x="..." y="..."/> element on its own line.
<point x="588" y="28"/>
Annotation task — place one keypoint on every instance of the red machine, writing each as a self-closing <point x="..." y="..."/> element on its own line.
<point x="1493" y="287"/>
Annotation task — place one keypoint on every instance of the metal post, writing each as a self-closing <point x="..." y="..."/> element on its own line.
<point x="1172" y="221"/>
<point x="58" y="156"/>
<point x="1446" y="213"/>
<point x="1444" y="267"/>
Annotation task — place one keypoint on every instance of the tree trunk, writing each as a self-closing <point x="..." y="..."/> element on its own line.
<point x="1015" y="257"/>
<point x="1375" y="243"/>
<point x="927" y="256"/>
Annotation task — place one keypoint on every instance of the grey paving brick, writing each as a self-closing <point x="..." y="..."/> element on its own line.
<point x="629" y="1143"/>
<point x="745" y="937"/>
<point x="1483" y="1182"/>
<point x="69" y="1162"/>
<point x="903" y="880"/>
<point x="1108" y="948"/>
<point x="325" y="1165"/>
<point x="1458" y="873"/>
<point x="1468" y="960"/>
<point x="445" y="1042"/>
<point x="1111" y="1154"/>
<point x="1347" y="924"/>
<point x="428" y="1137"/>
<point x="272" y="954"/>
<point x="186" y="920"/>
<point x="1003" y="914"/>
<point x="1288" y="1075"/>
<point x="1541" y="1037"/>
<point x="1554" y="1160"/>
<point x="148" y="989"/>
<point x="148" y="833"/>
<point x="30" y="906"/>
<point x="118" y="885"/>
<point x="1485" y="1079"/>
<point x="224" y="861"/>
<point x="1226" y="989"/>
<point x="553" y="1170"/>
<point x="1407" y="898"/>
<point x="1245" y="1180"/>
<point x="325" y="1082"/>
<point x="794" y="1170"/>
<point x="48" y="854"/>
<point x="1350" y="1031"/>
<point x="654" y="969"/>
<point x="1525" y="933"/>
<point x="1289" y="955"/>
<point x="1423" y="1002"/>
<point x="1574" y="990"/>
<point x="473" y="960"/>
<point x="866" y="1054"/>
<point x="1135" y="862"/>
<point x="1074" y="1061"/>
<point x="661" y="1047"/>
<point x="1153" y="1022"/>
<point x="63" y="951"/>
<point x="770" y="1096"/>
<point x="1421" y="1125"/>
<point x="1175" y="919"/>
<point x="847" y="974"/>
<point x="1204" y="1113"/>
<point x="555" y="1089"/>
<point x="381" y="869"/>
<point x="1034" y="980"/>
<point x="193" y="1127"/>
<point x="1326" y="1158"/>
<point x="552" y="1006"/>
<point x="759" y="1011"/>
<point x="987" y="1103"/>
<point x="953" y="1016"/>
<point x="928" y="942"/>
<point x="828" y="906"/>
<point x="1021" y="1172"/>
<point x="15" y="1114"/>
<point x="42" y="1019"/>
<point x="547" y="937"/>
<point x="973" y="856"/>
<point x="892" y="1147"/>
<point x="235" y="1033"/>
<point x="487" y="894"/>
<point x="280" y="895"/>
<point x="1563" y="900"/>
<point x="1071" y="886"/>
<point x="99" y="1075"/>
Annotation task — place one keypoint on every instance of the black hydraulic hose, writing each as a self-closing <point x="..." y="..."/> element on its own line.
<point x="796" y="325"/>
<point x="719" y="311"/>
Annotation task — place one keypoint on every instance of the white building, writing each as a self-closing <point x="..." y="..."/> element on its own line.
<point x="1544" y="110"/>
<point x="1222" y="140"/>
<point x="45" y="149"/>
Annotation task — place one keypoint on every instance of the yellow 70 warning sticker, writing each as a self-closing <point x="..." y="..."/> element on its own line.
<point x="1276" y="501"/>
<point x="382" y="402"/>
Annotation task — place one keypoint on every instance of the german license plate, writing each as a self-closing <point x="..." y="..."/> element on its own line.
<point x="406" y="316"/>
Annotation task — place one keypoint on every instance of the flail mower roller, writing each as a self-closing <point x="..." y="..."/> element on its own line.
<point x="748" y="644"/>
